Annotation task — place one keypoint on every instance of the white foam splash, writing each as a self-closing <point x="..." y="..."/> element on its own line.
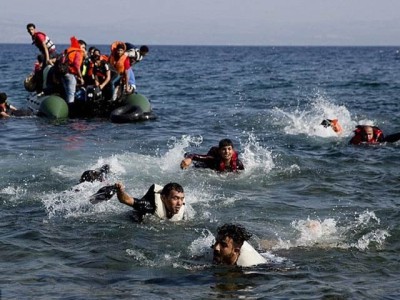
<point x="16" y="192"/>
<point x="307" y="120"/>
<point x="256" y="157"/>
<point x="328" y="234"/>
<point x="201" y="245"/>
<point x="74" y="202"/>
<point x="141" y="257"/>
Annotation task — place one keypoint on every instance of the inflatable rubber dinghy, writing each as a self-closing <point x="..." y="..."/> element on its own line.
<point x="133" y="108"/>
<point x="53" y="107"/>
<point x="137" y="108"/>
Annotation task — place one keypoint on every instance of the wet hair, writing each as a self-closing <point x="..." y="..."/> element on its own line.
<point x="171" y="186"/>
<point x="82" y="42"/>
<point x="30" y="25"/>
<point x="237" y="232"/>
<point x="144" y="49"/>
<point x="95" y="56"/>
<point x="3" y="97"/>
<point x="95" y="175"/>
<point x="224" y="143"/>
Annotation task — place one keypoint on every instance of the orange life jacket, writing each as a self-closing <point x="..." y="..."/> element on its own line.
<point x="116" y="44"/>
<point x="71" y="53"/>
<point x="104" y="57"/>
<point x="336" y="126"/>
<point x="117" y="63"/>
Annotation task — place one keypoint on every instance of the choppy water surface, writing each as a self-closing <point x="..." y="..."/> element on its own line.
<point x="270" y="101"/>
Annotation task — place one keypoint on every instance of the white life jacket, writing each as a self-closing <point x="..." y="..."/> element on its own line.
<point x="49" y="44"/>
<point x="249" y="256"/>
<point x="161" y="211"/>
<point x="135" y="54"/>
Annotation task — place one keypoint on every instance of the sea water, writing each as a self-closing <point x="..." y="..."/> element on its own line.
<point x="325" y="214"/>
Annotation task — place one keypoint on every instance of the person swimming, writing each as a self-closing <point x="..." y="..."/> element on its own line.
<point x="223" y="158"/>
<point x="368" y="134"/>
<point x="95" y="175"/>
<point x="334" y="124"/>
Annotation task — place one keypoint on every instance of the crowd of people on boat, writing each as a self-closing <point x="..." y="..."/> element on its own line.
<point x="77" y="70"/>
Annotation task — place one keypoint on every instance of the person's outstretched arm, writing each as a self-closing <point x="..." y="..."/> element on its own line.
<point x="185" y="163"/>
<point x="123" y="196"/>
<point x="189" y="158"/>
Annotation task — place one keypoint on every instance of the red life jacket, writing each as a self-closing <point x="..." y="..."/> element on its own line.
<point x="49" y="44"/>
<point x="233" y="165"/>
<point x="361" y="137"/>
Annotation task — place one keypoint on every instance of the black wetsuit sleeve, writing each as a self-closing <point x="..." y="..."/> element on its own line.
<point x="203" y="161"/>
<point x="200" y="157"/>
<point x="209" y="160"/>
<point x="145" y="205"/>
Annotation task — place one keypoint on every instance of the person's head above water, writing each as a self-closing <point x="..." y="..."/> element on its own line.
<point x="225" y="143"/>
<point x="369" y="132"/>
<point x="226" y="149"/>
<point x="3" y="97"/>
<point x="173" y="197"/>
<point x="229" y="240"/>
<point x="95" y="175"/>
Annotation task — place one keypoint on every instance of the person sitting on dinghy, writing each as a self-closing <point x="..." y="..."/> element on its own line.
<point x="120" y="62"/>
<point x="43" y="43"/>
<point x="103" y="75"/>
<point x="136" y="55"/>
<point x="74" y="56"/>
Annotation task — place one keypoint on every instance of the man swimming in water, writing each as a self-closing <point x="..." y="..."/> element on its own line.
<point x="222" y="158"/>
<point x="6" y="109"/>
<point x="167" y="203"/>
<point x="95" y="175"/>
<point x="231" y="247"/>
<point x="368" y="134"/>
